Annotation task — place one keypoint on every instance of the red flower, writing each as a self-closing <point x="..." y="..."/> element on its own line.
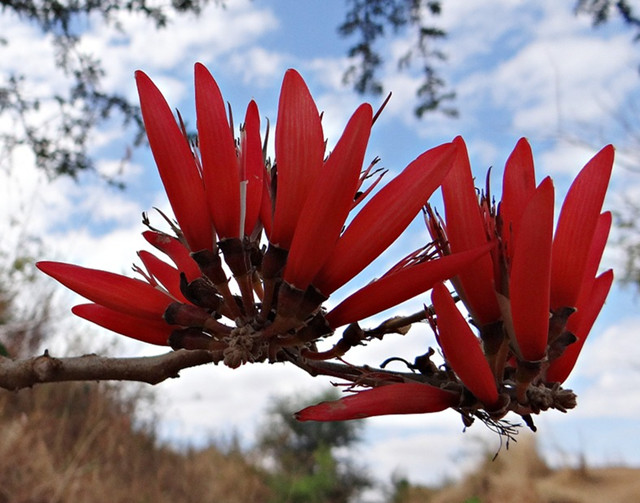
<point x="326" y="207"/>
<point x="543" y="283"/>
<point x="163" y="273"/>
<point x="252" y="170"/>
<point x="302" y="202"/>
<point x="518" y="185"/>
<point x="462" y="348"/>
<point x="530" y="274"/>
<point x="536" y="273"/>
<point x="399" y="398"/>
<point x="220" y="169"/>
<point x="176" y="252"/>
<point x="580" y="325"/>
<point x="384" y="218"/>
<point x="299" y="155"/>
<point x="520" y="283"/>
<point x="126" y="295"/>
<point x="466" y="230"/>
<point x="576" y="227"/>
<point x="593" y="293"/>
<point x="156" y="331"/>
<point x="176" y="165"/>
<point x="399" y="286"/>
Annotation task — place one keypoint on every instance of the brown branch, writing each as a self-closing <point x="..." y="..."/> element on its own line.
<point x="17" y="374"/>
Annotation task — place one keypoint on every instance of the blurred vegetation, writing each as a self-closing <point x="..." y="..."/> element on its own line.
<point x="81" y="442"/>
<point x="306" y="464"/>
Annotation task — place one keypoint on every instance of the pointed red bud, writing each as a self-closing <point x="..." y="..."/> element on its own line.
<point x="122" y="294"/>
<point x="530" y="274"/>
<point x="466" y="230"/>
<point x="166" y="275"/>
<point x="176" y="251"/>
<point x="576" y="226"/>
<point x="400" y="398"/>
<point x="299" y="155"/>
<point x="142" y="329"/>
<point x="580" y="324"/>
<point x="220" y="168"/>
<point x="176" y="165"/>
<point x="384" y="218"/>
<point x="462" y="348"/>
<point x="518" y="185"/>
<point x="328" y="204"/>
<point x="252" y="168"/>
<point x="392" y="289"/>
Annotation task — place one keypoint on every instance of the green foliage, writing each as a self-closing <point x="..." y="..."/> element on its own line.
<point x="306" y="466"/>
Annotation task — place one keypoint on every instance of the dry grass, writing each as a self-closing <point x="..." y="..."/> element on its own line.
<point x="521" y="475"/>
<point x="76" y="442"/>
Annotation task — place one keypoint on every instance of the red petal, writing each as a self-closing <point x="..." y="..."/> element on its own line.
<point x="299" y="155"/>
<point x="595" y="252"/>
<point x="400" y="398"/>
<point x="168" y="276"/>
<point x="465" y="231"/>
<point x="328" y="204"/>
<point x="142" y="329"/>
<point x="176" y="252"/>
<point x="383" y="219"/>
<point x="530" y="274"/>
<point x="176" y="166"/>
<point x="251" y="167"/>
<point x="576" y="225"/>
<point x="126" y="295"/>
<point x="393" y="289"/>
<point x="518" y="185"/>
<point x="266" y="207"/>
<point x="219" y="160"/>
<point x="462" y="348"/>
<point x="580" y="325"/>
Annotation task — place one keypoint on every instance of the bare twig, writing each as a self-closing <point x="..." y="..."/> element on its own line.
<point x="17" y="374"/>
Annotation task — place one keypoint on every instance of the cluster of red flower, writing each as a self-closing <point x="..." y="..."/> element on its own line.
<point x="279" y="230"/>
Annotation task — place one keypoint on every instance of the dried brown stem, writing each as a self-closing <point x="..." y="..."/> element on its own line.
<point x="17" y="374"/>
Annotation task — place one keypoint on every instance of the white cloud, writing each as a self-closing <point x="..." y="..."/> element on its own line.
<point x="216" y="33"/>
<point x="608" y="365"/>
<point x="258" y="67"/>
<point x="208" y="400"/>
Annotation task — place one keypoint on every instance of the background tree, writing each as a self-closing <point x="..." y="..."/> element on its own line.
<point x="602" y="11"/>
<point x="63" y="147"/>
<point x="371" y="21"/>
<point x="306" y="465"/>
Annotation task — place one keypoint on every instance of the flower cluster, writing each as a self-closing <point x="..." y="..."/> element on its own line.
<point x="532" y="299"/>
<point x="257" y="248"/>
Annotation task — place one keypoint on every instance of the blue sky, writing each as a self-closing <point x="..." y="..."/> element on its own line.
<point x="520" y="69"/>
